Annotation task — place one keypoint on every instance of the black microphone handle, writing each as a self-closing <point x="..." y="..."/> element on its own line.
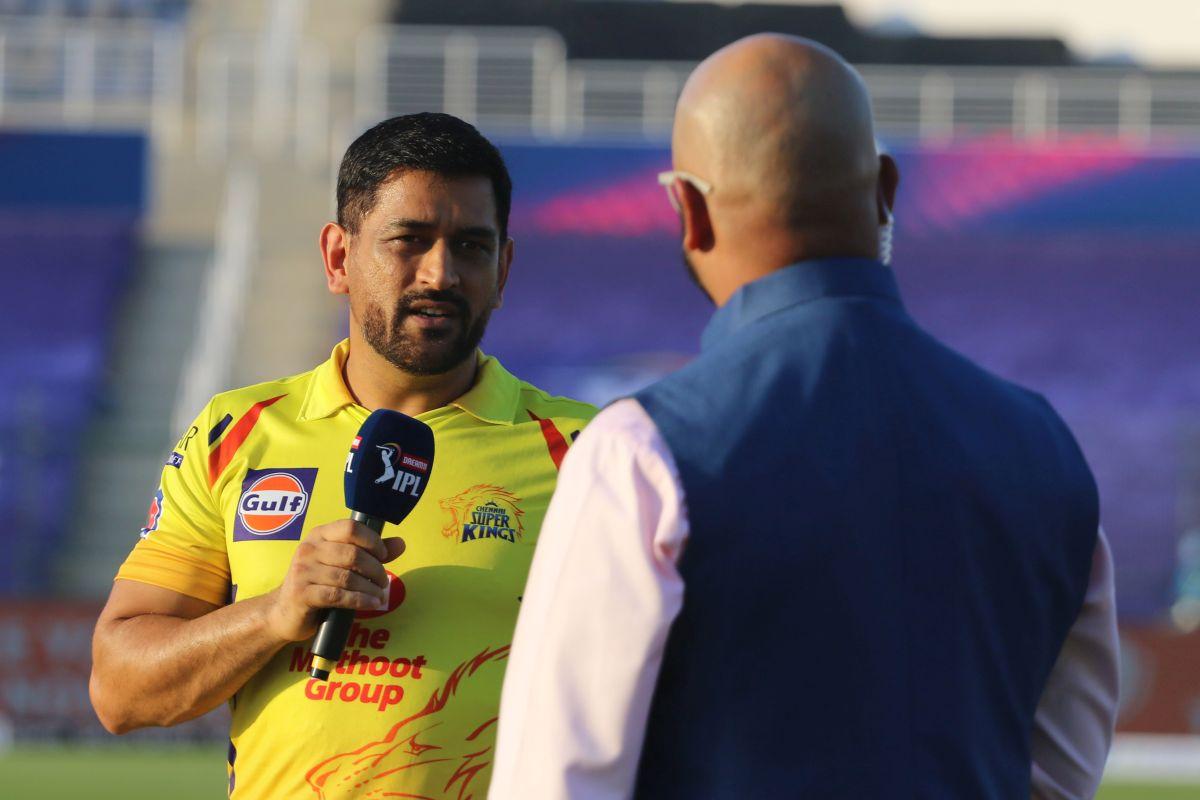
<point x="335" y="627"/>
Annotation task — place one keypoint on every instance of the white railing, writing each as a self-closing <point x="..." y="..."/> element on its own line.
<point x="252" y="98"/>
<point x="92" y="74"/>
<point x="407" y="68"/>
<point x="210" y="362"/>
<point x="505" y="79"/>
<point x="623" y="98"/>
<point x="273" y="94"/>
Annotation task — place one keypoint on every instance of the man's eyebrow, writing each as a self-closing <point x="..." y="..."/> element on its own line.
<point x="478" y="231"/>
<point x="409" y="223"/>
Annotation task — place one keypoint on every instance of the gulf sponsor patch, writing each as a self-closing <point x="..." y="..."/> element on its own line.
<point x="274" y="503"/>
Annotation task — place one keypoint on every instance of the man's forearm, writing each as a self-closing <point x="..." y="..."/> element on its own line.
<point x="154" y="669"/>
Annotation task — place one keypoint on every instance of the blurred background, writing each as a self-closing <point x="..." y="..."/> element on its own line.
<point x="165" y="166"/>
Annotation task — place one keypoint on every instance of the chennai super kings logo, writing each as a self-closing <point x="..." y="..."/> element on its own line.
<point x="483" y="512"/>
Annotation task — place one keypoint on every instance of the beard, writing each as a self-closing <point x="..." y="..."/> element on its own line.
<point x="425" y="351"/>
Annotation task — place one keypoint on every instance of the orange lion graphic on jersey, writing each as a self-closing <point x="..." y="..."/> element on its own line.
<point x="428" y="749"/>
<point x="481" y="512"/>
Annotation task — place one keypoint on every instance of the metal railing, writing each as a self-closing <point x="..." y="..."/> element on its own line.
<point x="505" y="79"/>
<point x="419" y="67"/>
<point x="210" y="362"/>
<point x="274" y="94"/>
<point x="93" y="74"/>
<point x="250" y="99"/>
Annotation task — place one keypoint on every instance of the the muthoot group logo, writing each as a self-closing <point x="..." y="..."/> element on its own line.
<point x="483" y="512"/>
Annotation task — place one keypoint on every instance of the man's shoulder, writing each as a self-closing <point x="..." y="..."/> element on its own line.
<point x="544" y="405"/>
<point x="284" y="392"/>
<point x="506" y="396"/>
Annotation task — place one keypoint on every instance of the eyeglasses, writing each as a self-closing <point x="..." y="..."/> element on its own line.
<point x="669" y="179"/>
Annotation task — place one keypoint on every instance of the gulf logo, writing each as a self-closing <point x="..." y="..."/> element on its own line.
<point x="271" y="502"/>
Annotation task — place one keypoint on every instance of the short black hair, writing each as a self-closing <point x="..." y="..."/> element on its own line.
<point x="427" y="141"/>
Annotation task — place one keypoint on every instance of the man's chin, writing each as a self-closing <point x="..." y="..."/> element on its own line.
<point x="430" y="354"/>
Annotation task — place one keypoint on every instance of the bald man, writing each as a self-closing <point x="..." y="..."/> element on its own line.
<point x="830" y="558"/>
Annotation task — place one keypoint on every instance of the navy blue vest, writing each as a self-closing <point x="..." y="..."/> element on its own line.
<point x="888" y="547"/>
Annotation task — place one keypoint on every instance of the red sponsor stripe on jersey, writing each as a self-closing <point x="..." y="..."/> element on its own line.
<point x="555" y="442"/>
<point x="219" y="459"/>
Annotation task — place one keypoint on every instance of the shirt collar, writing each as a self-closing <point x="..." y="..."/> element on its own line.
<point x="493" y="398"/>
<point x="496" y="395"/>
<point x="794" y="285"/>
<point x="327" y="391"/>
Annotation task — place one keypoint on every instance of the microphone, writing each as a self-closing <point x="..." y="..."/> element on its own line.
<point x="387" y="469"/>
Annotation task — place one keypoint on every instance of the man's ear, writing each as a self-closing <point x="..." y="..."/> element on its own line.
<point x="335" y="244"/>
<point x="506" y="257"/>
<point x="885" y="193"/>
<point x="697" y="224"/>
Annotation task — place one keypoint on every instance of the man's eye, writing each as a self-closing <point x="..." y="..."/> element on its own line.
<point x="473" y="246"/>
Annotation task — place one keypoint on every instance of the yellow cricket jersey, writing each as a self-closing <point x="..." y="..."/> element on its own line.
<point x="411" y="709"/>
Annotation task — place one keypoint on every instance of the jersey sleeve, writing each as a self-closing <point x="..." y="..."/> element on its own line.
<point x="182" y="546"/>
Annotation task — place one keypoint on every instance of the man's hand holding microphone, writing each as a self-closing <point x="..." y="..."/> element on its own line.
<point x="338" y="565"/>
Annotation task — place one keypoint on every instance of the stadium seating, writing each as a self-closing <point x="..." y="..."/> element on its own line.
<point x="1068" y="268"/>
<point x="69" y="209"/>
<point x="612" y="29"/>
<point x="166" y="10"/>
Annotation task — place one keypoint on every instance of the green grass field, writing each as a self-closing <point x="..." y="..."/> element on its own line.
<point x="198" y="773"/>
<point x="113" y="773"/>
<point x="1133" y="791"/>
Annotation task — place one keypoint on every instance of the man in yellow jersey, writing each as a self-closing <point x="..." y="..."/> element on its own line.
<point x="247" y="538"/>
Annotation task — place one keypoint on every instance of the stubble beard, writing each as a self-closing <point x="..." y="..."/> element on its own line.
<point x="422" y="351"/>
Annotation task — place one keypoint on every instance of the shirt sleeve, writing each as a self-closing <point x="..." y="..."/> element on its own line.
<point x="602" y="594"/>
<point x="182" y="545"/>
<point x="1073" y="727"/>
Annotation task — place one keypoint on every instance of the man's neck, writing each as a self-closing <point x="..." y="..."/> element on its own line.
<point x="770" y="254"/>
<point x="375" y="382"/>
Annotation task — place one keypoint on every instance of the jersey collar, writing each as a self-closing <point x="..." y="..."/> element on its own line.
<point x="494" y="398"/>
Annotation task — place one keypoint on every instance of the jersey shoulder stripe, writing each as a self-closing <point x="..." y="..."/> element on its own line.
<point x="548" y="406"/>
<point x="220" y="457"/>
<point x="218" y="429"/>
<point x="558" y="418"/>
<point x="245" y="405"/>
<point x="555" y="442"/>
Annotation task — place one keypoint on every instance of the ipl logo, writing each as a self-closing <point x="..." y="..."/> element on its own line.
<point x="396" y="466"/>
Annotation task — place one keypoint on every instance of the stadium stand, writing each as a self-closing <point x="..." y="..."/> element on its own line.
<point x="1042" y="197"/>
<point x="647" y="31"/>
<point x="1065" y="267"/>
<point x="69" y="212"/>
<point x="162" y="10"/>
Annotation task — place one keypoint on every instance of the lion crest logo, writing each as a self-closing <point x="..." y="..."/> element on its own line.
<point x="483" y="512"/>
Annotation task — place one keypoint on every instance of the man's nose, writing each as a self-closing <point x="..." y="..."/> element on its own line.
<point x="437" y="270"/>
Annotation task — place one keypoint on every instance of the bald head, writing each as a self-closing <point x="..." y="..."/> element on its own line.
<point x="781" y="127"/>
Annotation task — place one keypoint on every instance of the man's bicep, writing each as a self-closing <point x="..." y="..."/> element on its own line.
<point x="129" y="599"/>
